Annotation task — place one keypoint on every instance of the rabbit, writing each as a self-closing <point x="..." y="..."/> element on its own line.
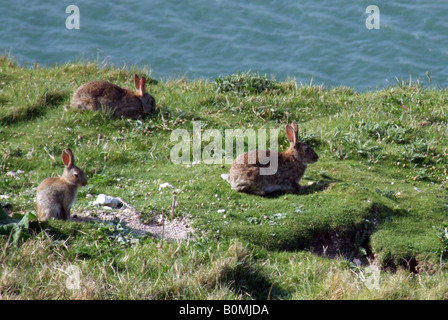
<point x="245" y="176"/>
<point x="55" y="196"/>
<point x="120" y="102"/>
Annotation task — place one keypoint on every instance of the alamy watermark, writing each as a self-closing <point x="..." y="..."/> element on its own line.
<point x="72" y="282"/>
<point x="372" y="277"/>
<point x="369" y="276"/>
<point x="73" y="21"/>
<point x="373" y="20"/>
<point x="189" y="147"/>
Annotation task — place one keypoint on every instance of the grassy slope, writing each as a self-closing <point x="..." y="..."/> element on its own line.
<point x="383" y="162"/>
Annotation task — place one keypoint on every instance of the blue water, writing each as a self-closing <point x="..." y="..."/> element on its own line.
<point x="323" y="42"/>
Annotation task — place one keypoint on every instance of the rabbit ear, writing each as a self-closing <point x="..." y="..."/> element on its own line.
<point x="295" y="127"/>
<point x="67" y="158"/>
<point x="142" y="85"/>
<point x="136" y="82"/>
<point x="291" y="134"/>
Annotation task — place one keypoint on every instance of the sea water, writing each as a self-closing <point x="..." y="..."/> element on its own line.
<point x="328" y="42"/>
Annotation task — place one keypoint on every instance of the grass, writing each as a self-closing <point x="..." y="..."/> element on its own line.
<point x="377" y="196"/>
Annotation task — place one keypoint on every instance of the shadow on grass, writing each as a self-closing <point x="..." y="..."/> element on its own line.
<point x="353" y="242"/>
<point x="58" y="230"/>
<point x="248" y="280"/>
<point x="318" y="186"/>
<point x="24" y="113"/>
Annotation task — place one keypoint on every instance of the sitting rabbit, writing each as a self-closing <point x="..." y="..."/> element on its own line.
<point x="103" y="95"/>
<point x="55" y="196"/>
<point x="291" y="165"/>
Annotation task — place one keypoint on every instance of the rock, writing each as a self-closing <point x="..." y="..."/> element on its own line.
<point x="108" y="201"/>
<point x="166" y="185"/>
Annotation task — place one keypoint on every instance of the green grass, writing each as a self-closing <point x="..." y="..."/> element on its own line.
<point x="378" y="194"/>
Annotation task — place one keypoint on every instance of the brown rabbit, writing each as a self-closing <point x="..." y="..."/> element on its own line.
<point x="245" y="175"/>
<point x="55" y="196"/>
<point x="118" y="101"/>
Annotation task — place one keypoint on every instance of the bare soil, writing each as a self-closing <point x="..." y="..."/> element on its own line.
<point x="177" y="229"/>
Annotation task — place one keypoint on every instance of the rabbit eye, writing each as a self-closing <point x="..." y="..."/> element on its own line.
<point x="76" y="175"/>
<point x="307" y="150"/>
